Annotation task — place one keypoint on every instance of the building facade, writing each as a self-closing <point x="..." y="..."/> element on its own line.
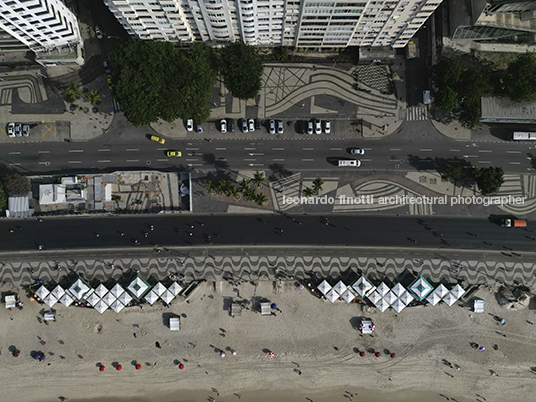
<point x="42" y="26"/>
<point x="292" y="23"/>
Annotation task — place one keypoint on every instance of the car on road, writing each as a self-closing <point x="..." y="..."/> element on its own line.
<point x="251" y="125"/>
<point x="271" y="126"/>
<point x="106" y="66"/>
<point x="109" y="80"/>
<point x="279" y="127"/>
<point x="349" y="163"/>
<point x="160" y="140"/>
<point x="318" y="127"/>
<point x="258" y="124"/>
<point x="18" y="129"/>
<point x="25" y="130"/>
<point x="98" y="32"/>
<point x="244" y="125"/>
<point x="190" y="125"/>
<point x="11" y="129"/>
<point x="177" y="154"/>
<point x="310" y="127"/>
<point x="230" y="123"/>
<point x="223" y="126"/>
<point x="357" y="151"/>
<point x="198" y="128"/>
<point x="327" y="127"/>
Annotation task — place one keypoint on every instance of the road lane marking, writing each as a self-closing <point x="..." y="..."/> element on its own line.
<point x="191" y="160"/>
<point x="513" y="152"/>
<point x="335" y="149"/>
<point x="307" y="160"/>
<point x="18" y="164"/>
<point x="195" y="164"/>
<point x="278" y="160"/>
<point x="104" y="161"/>
<point x="484" y="161"/>
<point x="397" y="149"/>
<point x="132" y="149"/>
<point x="76" y="150"/>
<point x="75" y="161"/>
<point x="161" y="149"/>
<point x="14" y="153"/>
<point x="43" y="152"/>
<point x="220" y="149"/>
<point x="278" y="149"/>
<point x="454" y="150"/>
<point x="103" y="150"/>
<point x="162" y="160"/>
<point x="366" y="160"/>
<point x="250" y="159"/>
<point x="484" y="150"/>
<point x="192" y="149"/>
<point x="514" y="163"/>
<point x="133" y="160"/>
<point x="426" y="150"/>
<point x="308" y="149"/>
<point x="250" y="149"/>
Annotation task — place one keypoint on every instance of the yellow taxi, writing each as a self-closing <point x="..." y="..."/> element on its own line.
<point x="158" y="139"/>
<point x="177" y="154"/>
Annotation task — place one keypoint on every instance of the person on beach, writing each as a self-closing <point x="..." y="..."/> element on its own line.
<point x="157" y="344"/>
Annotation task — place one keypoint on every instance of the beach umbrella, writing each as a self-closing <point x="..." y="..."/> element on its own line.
<point x="233" y="352"/>
<point x="101" y="368"/>
<point x="481" y="348"/>
<point x="392" y="355"/>
<point x="361" y="353"/>
<point x="118" y="367"/>
<point x="36" y="356"/>
<point x="138" y="366"/>
<point x="41" y="356"/>
<point x="274" y="306"/>
<point x="222" y="354"/>
<point x="181" y="366"/>
<point x="377" y="354"/>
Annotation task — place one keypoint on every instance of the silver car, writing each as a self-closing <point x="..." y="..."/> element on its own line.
<point x="318" y="127"/>
<point x="251" y="124"/>
<point x="223" y="126"/>
<point x="310" y="127"/>
<point x="357" y="151"/>
<point x="271" y="126"/>
<point x="25" y="130"/>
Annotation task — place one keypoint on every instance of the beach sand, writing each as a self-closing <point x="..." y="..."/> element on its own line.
<point x="303" y="337"/>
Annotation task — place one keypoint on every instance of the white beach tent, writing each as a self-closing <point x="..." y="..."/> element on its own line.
<point x="175" y="288"/>
<point x="58" y="292"/>
<point x="382" y="289"/>
<point x="457" y="291"/>
<point x="382" y="305"/>
<point x="406" y="298"/>
<point x="339" y="287"/>
<point x="125" y="298"/>
<point x="108" y="298"/>
<point x="398" y="305"/>
<point x="159" y="289"/>
<point x="332" y="296"/>
<point x="42" y="292"/>
<point x="50" y="300"/>
<point x="66" y="300"/>
<point x="374" y="297"/>
<point x="362" y="286"/>
<point x="420" y="288"/>
<point x="348" y="295"/>
<point x="324" y="287"/>
<point x="433" y="298"/>
<point x="93" y="299"/>
<point x="441" y="291"/>
<point x="478" y="305"/>
<point x="101" y="306"/>
<point x="117" y="290"/>
<point x="101" y="290"/>
<point x="390" y="297"/>
<point x="167" y="296"/>
<point x="151" y="297"/>
<point x="398" y="289"/>
<point x="11" y="301"/>
<point x="174" y="324"/>
<point x="138" y="287"/>
<point x="117" y="306"/>
<point x="79" y="289"/>
<point x="449" y="299"/>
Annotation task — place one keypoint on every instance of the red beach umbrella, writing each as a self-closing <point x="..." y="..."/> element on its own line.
<point x="181" y="366"/>
<point x="118" y="367"/>
<point x="377" y="354"/>
<point x="361" y="353"/>
<point x="101" y="368"/>
<point x="138" y="366"/>
<point x="393" y="355"/>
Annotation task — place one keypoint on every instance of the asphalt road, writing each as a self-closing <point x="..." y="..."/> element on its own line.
<point x="367" y="231"/>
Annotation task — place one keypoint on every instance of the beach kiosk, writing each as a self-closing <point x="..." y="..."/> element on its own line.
<point x="367" y="327"/>
<point x="236" y="310"/>
<point x="478" y="305"/>
<point x="11" y="301"/>
<point x="266" y="309"/>
<point x="174" y="323"/>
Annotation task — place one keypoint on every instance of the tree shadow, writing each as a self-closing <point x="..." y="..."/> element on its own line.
<point x="278" y="172"/>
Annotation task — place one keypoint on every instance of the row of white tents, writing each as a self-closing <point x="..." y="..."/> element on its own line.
<point x="384" y="297"/>
<point x="101" y="298"/>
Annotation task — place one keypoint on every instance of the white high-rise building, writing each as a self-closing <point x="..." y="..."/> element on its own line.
<point x="293" y="23"/>
<point x="39" y="25"/>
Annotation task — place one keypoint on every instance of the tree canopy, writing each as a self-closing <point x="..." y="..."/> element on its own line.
<point x="490" y="179"/>
<point x="16" y="184"/>
<point x="447" y="73"/>
<point x="242" y="69"/>
<point x="521" y="78"/>
<point x="154" y="81"/>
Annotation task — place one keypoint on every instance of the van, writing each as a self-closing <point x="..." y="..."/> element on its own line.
<point x="426" y="97"/>
<point x="514" y="223"/>
<point x="349" y="162"/>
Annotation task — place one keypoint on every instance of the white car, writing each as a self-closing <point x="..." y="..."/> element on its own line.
<point x="98" y="32"/>
<point x="310" y="128"/>
<point x="11" y="129"/>
<point x="190" y="125"/>
<point x="244" y="125"/>
<point x="251" y="124"/>
<point x="198" y="129"/>
<point x="357" y="151"/>
<point x="318" y="127"/>
<point x="223" y="126"/>
<point x="25" y="130"/>
<point x="327" y="127"/>
<point x="271" y="126"/>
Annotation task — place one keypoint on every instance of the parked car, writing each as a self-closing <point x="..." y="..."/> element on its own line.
<point x="11" y="129"/>
<point x="271" y="126"/>
<point x="158" y="139"/>
<point x="327" y="127"/>
<point x="244" y="125"/>
<point x="310" y="127"/>
<point x="223" y="126"/>
<point x="177" y="154"/>
<point x="106" y="67"/>
<point x="98" y="33"/>
<point x="357" y="151"/>
<point x="230" y="122"/>
<point x="25" y="130"/>
<point x="189" y="125"/>
<point x="258" y="124"/>
<point x="279" y="127"/>
<point x="251" y="125"/>
<point x="18" y="129"/>
<point x="198" y="128"/>
<point x="318" y="127"/>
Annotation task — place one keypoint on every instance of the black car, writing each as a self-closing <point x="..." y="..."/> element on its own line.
<point x="258" y="124"/>
<point x="230" y="125"/>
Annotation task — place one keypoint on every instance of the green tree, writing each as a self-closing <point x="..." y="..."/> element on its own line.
<point x="16" y="184"/>
<point x="308" y="192"/>
<point x="261" y="199"/>
<point x="447" y="73"/>
<point x="241" y="67"/>
<point x="489" y="180"/>
<point x="454" y="172"/>
<point x="72" y="92"/>
<point x="210" y="186"/>
<point x="446" y="99"/>
<point x="93" y="97"/>
<point x="232" y="191"/>
<point x="258" y="179"/>
<point x="249" y="194"/>
<point x="221" y="187"/>
<point x="521" y="78"/>
<point x="3" y="198"/>
<point x="244" y="185"/>
<point x="474" y="82"/>
<point x="471" y="113"/>
<point x="317" y="184"/>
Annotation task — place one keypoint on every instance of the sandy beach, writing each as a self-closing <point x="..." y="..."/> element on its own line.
<point x="309" y="336"/>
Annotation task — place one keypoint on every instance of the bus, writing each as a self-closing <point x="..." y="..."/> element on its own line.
<point x="523" y="136"/>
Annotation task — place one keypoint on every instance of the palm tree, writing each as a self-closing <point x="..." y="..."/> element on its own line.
<point x="258" y="178"/>
<point x="261" y="199"/>
<point x="317" y="184"/>
<point x="308" y="192"/>
<point x="93" y="97"/>
<point x="73" y="92"/>
<point x="210" y="186"/>
<point x="221" y="187"/>
<point x="249" y="194"/>
<point x="232" y="191"/>
<point x="244" y="185"/>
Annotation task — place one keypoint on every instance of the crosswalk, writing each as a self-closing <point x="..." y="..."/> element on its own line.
<point x="416" y="113"/>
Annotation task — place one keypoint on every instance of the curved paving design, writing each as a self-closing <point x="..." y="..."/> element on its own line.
<point x="255" y="267"/>
<point x="27" y="85"/>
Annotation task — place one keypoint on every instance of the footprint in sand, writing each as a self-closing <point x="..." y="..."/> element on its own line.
<point x="98" y="328"/>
